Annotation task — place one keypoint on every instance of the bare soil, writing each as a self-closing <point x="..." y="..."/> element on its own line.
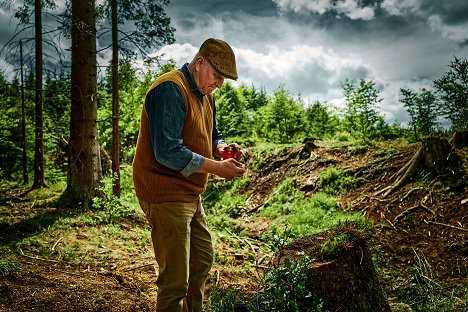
<point x="426" y="219"/>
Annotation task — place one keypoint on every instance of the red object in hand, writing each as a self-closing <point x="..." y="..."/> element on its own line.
<point x="229" y="152"/>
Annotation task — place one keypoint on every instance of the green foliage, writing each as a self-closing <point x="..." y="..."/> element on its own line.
<point x="333" y="181"/>
<point x="9" y="267"/>
<point x="152" y="26"/>
<point x="287" y="288"/>
<point x="320" y="120"/>
<point x="284" y="200"/>
<point x="11" y="141"/>
<point x="222" y="300"/>
<point x="283" y="119"/>
<point x="453" y="86"/>
<point x="233" y="119"/>
<point x="114" y="207"/>
<point x="132" y="91"/>
<point x="301" y="216"/>
<point x="361" y="112"/>
<point x="222" y="201"/>
<point x="423" y="109"/>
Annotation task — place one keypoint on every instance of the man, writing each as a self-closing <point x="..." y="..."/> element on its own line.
<point x="174" y="155"/>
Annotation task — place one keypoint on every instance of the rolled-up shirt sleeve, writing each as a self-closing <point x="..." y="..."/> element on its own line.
<point x="165" y="106"/>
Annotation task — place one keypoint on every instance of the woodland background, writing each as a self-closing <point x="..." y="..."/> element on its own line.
<point x="68" y="131"/>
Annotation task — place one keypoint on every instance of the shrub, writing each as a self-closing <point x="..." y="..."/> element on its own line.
<point x="334" y="182"/>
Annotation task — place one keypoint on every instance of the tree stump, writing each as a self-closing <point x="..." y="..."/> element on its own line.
<point x="435" y="156"/>
<point x="459" y="139"/>
<point x="341" y="271"/>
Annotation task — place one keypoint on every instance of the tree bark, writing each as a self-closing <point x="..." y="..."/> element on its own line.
<point x="345" y="280"/>
<point x="39" y="180"/>
<point x="459" y="139"/>
<point x="23" y="122"/>
<point x="115" y="105"/>
<point x="84" y="164"/>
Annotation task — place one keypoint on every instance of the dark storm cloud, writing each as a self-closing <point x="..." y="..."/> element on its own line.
<point x="450" y="12"/>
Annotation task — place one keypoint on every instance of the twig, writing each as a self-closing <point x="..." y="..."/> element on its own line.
<point x="137" y="267"/>
<point x="56" y="243"/>
<point x="406" y="212"/>
<point x="75" y="274"/>
<point x="393" y="226"/>
<point x="37" y="258"/>
<point x="245" y="241"/>
<point x="217" y="277"/>
<point x="425" y="207"/>
<point x="262" y="266"/>
<point x="447" y="225"/>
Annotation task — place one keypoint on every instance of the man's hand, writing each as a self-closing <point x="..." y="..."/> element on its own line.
<point x="239" y="153"/>
<point x="228" y="169"/>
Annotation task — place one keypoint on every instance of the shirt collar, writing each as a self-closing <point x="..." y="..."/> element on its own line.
<point x="193" y="86"/>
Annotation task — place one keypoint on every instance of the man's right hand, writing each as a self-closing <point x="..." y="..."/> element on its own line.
<point x="228" y="169"/>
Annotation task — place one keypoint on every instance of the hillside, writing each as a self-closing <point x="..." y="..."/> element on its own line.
<point x="424" y="224"/>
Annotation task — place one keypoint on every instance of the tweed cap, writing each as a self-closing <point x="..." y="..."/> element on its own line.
<point x="221" y="56"/>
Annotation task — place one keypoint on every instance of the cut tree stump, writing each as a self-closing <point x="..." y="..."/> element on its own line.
<point x="435" y="156"/>
<point x="344" y="278"/>
<point x="459" y="139"/>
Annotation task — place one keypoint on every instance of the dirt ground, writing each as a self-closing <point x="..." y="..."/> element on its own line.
<point x="425" y="220"/>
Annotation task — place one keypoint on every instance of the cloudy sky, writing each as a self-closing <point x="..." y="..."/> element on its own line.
<point x="312" y="46"/>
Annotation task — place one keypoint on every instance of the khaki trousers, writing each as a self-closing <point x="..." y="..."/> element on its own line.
<point x="184" y="252"/>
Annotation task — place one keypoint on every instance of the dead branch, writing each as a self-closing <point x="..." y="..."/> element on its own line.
<point x="405" y="213"/>
<point x="412" y="209"/>
<point x="37" y="258"/>
<point x="447" y="225"/>
<point x="429" y="210"/>
<point x="138" y="267"/>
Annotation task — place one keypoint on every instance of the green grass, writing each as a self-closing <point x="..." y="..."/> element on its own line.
<point x="333" y="181"/>
<point x="289" y="209"/>
<point x="9" y="267"/>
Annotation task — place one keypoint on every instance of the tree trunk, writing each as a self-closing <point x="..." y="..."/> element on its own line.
<point x="115" y="105"/>
<point x="459" y="139"/>
<point x="84" y="164"/>
<point x="344" y="278"/>
<point x="39" y="181"/>
<point x="439" y="156"/>
<point x="23" y="123"/>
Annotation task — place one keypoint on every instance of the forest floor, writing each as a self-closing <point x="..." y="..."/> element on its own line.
<point x="421" y="225"/>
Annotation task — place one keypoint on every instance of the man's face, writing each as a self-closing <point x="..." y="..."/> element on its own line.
<point x="209" y="79"/>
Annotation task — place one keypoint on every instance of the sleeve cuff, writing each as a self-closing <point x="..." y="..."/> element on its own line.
<point x="194" y="164"/>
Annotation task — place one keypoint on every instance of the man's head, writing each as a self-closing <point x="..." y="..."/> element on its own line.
<point x="214" y="62"/>
<point x="221" y="56"/>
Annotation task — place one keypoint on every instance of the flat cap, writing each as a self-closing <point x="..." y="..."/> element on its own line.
<point x="221" y="56"/>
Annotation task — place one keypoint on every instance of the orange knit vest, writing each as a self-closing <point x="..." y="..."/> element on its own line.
<point x="156" y="183"/>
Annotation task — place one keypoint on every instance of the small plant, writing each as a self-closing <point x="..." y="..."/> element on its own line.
<point x="287" y="289"/>
<point x="334" y="181"/>
<point x="110" y="204"/>
<point x="9" y="267"/>
<point x="284" y="199"/>
<point x="222" y="300"/>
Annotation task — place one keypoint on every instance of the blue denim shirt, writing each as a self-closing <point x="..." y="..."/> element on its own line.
<point x="165" y="106"/>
